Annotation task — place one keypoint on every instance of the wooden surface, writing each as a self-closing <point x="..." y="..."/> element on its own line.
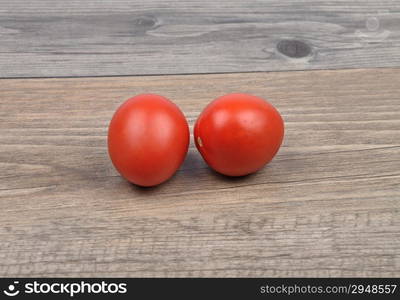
<point x="120" y="37"/>
<point x="327" y="205"/>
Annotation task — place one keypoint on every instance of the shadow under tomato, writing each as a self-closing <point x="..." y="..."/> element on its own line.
<point x="232" y="179"/>
<point x="193" y="170"/>
<point x="145" y="190"/>
<point x="192" y="164"/>
<point x="187" y="171"/>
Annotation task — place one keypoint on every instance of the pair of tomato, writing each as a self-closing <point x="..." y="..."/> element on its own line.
<point x="148" y="137"/>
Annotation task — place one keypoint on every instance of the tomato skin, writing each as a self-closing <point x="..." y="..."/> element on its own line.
<point x="237" y="134"/>
<point x="148" y="138"/>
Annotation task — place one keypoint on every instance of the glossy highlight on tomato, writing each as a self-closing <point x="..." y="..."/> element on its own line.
<point x="148" y="138"/>
<point x="237" y="134"/>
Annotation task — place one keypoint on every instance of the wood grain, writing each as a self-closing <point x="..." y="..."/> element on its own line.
<point x="122" y="37"/>
<point x="327" y="205"/>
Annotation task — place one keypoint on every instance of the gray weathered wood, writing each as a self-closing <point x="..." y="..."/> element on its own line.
<point x="327" y="205"/>
<point x="96" y="37"/>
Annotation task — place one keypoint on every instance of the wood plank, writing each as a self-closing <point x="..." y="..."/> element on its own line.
<point x="47" y="38"/>
<point x="327" y="205"/>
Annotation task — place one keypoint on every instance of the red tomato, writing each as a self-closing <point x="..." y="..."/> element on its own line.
<point x="148" y="139"/>
<point x="237" y="134"/>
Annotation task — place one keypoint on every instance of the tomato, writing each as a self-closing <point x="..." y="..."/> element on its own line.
<point x="237" y="134"/>
<point x="148" y="139"/>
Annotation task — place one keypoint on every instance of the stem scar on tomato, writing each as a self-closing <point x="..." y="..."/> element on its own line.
<point x="199" y="141"/>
